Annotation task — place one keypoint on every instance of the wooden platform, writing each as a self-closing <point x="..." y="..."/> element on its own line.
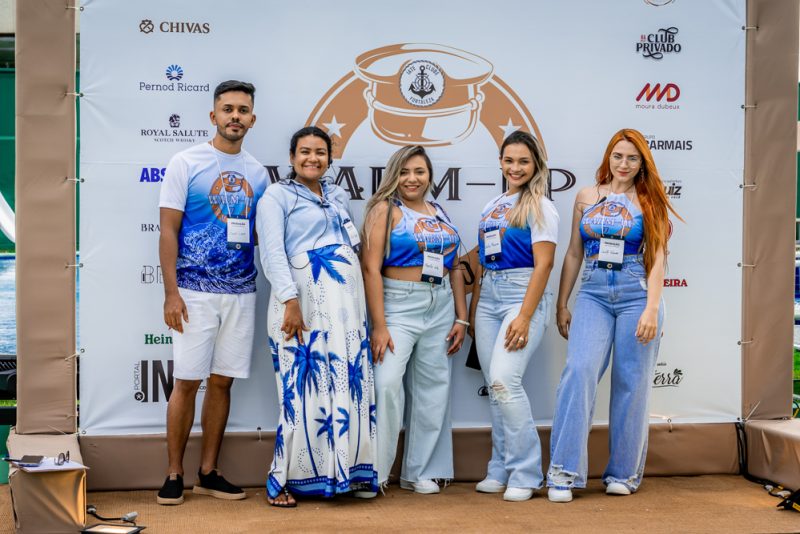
<point x="711" y="503"/>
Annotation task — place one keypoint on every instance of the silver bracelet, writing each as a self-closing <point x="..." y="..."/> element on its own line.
<point x="461" y="321"/>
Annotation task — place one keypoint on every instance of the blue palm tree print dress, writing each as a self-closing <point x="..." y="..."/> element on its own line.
<point x="326" y="429"/>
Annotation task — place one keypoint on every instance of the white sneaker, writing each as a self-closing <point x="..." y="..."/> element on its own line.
<point x="488" y="485"/>
<point x="517" y="494"/>
<point x="617" y="488"/>
<point x="559" y="495"/>
<point x="427" y="486"/>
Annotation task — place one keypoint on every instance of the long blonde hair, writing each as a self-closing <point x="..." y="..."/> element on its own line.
<point x="530" y="196"/>
<point x="388" y="189"/>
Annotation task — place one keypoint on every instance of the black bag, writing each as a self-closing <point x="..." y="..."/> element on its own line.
<point x="472" y="358"/>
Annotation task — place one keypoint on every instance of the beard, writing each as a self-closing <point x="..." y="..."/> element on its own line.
<point x="233" y="136"/>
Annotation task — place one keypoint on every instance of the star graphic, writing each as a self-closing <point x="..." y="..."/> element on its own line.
<point x="509" y="128"/>
<point x="334" y="128"/>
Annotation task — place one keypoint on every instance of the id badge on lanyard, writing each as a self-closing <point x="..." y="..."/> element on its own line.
<point x="349" y="227"/>
<point x="432" y="267"/>
<point x="492" y="246"/>
<point x="352" y="232"/>
<point x="612" y="252"/>
<point x="238" y="233"/>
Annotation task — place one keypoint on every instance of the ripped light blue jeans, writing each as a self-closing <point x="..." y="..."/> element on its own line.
<point x="516" y="450"/>
<point x="607" y="311"/>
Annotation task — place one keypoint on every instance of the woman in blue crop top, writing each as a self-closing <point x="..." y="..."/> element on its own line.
<point x="417" y="305"/>
<point x="317" y="327"/>
<point x="517" y="238"/>
<point x="619" y="230"/>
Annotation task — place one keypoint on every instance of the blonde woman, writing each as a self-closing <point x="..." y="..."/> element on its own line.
<point x="417" y="305"/>
<point x="517" y="239"/>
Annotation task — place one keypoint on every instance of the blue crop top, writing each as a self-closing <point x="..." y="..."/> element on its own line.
<point x="516" y="243"/>
<point x="616" y="216"/>
<point x="416" y="233"/>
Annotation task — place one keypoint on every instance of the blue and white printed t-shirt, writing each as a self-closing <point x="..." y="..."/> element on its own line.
<point x="516" y="243"/>
<point x="209" y="186"/>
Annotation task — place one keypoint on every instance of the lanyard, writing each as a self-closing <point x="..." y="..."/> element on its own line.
<point x="347" y="228"/>
<point x="223" y="191"/>
<point x="611" y="252"/>
<point x="432" y="262"/>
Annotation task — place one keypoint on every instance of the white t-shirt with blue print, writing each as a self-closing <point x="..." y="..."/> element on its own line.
<point x="517" y="243"/>
<point x="209" y="186"/>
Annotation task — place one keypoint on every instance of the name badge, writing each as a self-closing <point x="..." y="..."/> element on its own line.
<point x="492" y="245"/>
<point x="432" y="267"/>
<point x="612" y="251"/>
<point x="352" y="233"/>
<point x="238" y="233"/>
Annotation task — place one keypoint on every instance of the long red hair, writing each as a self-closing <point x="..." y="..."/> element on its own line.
<point x="650" y="190"/>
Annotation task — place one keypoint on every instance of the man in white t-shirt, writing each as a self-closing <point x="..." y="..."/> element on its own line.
<point x="208" y="206"/>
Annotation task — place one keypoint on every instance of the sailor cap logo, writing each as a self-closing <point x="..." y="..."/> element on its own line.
<point x="422" y="83"/>
<point x="420" y="94"/>
<point x="230" y="195"/>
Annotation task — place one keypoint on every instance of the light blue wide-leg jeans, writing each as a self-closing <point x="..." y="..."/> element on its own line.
<point x="516" y="450"/>
<point x="419" y="316"/>
<point x="607" y="311"/>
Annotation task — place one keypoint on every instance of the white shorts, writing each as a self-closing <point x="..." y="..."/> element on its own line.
<point x="218" y="338"/>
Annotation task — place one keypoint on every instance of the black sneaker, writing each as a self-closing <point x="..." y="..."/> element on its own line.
<point x="215" y="485"/>
<point x="172" y="490"/>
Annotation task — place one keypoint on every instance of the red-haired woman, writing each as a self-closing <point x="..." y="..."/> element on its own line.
<point x="620" y="227"/>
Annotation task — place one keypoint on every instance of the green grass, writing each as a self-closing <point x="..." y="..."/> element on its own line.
<point x="796" y="372"/>
<point x="796" y="364"/>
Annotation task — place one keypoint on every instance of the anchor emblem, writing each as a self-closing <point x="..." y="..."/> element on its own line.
<point x="422" y="85"/>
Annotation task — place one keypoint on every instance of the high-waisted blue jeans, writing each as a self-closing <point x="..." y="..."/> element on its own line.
<point x="606" y="313"/>
<point x="516" y="449"/>
<point x="419" y="316"/>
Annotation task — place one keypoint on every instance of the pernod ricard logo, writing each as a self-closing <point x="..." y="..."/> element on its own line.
<point x="655" y="45"/>
<point x="147" y="26"/>
<point x="174" y="134"/>
<point x="174" y="74"/>
<point x="422" y="94"/>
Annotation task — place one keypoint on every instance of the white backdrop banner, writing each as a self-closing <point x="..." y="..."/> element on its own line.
<point x="572" y="73"/>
